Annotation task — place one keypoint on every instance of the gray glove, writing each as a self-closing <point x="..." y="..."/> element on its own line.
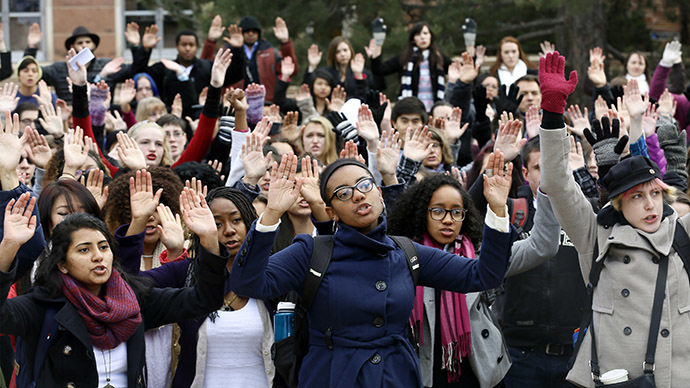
<point x="675" y="148"/>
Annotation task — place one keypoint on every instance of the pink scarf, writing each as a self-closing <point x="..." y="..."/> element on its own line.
<point x="109" y="320"/>
<point x="456" y="338"/>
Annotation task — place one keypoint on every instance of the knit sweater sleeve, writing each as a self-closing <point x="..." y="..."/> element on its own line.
<point x="81" y="118"/>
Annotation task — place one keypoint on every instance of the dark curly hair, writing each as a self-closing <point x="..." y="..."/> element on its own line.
<point x="57" y="163"/>
<point x="117" y="210"/>
<point x="208" y="175"/>
<point x="48" y="275"/>
<point x="408" y="217"/>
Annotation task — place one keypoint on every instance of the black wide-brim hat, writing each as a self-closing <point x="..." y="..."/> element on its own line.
<point x="81" y="31"/>
<point x="629" y="173"/>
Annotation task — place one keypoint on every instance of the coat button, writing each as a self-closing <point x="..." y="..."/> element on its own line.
<point x="244" y="251"/>
<point x="378" y="322"/>
<point x="375" y="359"/>
<point x="627" y="330"/>
<point x="655" y="260"/>
<point x="139" y="379"/>
<point x="67" y="350"/>
<point x="248" y="240"/>
<point x="606" y="226"/>
<point x="665" y="333"/>
<point x="625" y="292"/>
<point x="626" y="259"/>
<point x="265" y="352"/>
<point x="71" y="385"/>
<point x="381" y="285"/>
<point x="485" y="333"/>
<point x="610" y="237"/>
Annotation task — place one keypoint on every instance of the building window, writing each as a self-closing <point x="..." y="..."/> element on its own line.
<point x="17" y="16"/>
<point x="168" y="27"/>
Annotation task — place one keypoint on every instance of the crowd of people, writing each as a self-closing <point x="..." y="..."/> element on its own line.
<point x="155" y="215"/>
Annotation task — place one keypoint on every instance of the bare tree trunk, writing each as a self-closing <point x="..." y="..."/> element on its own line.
<point x="584" y="27"/>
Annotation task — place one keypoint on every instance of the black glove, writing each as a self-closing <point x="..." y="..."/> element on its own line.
<point x="343" y="128"/>
<point x="480" y="101"/>
<point x="374" y="102"/>
<point x="507" y="102"/>
<point x="607" y="146"/>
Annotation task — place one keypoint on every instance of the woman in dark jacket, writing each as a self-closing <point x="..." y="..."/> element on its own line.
<point x="421" y="67"/>
<point x="103" y="312"/>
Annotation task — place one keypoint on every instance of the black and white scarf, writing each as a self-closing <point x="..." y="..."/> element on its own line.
<point x="406" y="80"/>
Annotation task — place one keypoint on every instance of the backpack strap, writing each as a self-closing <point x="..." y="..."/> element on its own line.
<point x="594" y="274"/>
<point x="410" y="254"/>
<point x="518" y="215"/>
<point x="681" y="243"/>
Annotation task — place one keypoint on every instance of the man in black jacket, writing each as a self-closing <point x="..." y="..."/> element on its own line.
<point x="112" y="71"/>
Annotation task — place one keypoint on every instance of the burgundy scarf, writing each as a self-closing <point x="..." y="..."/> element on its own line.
<point x="456" y="337"/>
<point x="109" y="320"/>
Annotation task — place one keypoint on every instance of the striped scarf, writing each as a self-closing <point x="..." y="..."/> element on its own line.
<point x="456" y="336"/>
<point x="406" y="80"/>
<point x="110" y="320"/>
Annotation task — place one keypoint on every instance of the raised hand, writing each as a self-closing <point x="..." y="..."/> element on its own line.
<point x="357" y="65"/>
<point x="289" y="129"/>
<point x="220" y="67"/>
<point x="667" y="104"/>
<point x="532" y="121"/>
<point x="508" y="140"/>
<point x="253" y="159"/>
<point x="35" y="36"/>
<point x="303" y="93"/>
<point x="114" y="122"/>
<point x="142" y="200"/>
<point x="546" y="47"/>
<point x="176" y="108"/>
<point x="510" y="101"/>
<point x="94" y="183"/>
<point x="607" y="145"/>
<point x="480" y="54"/>
<point x="44" y="96"/>
<point x="37" y="149"/>
<point x="172" y="66"/>
<point x="576" y="157"/>
<point x="112" y="67"/>
<point x="555" y="89"/>
<point x="458" y="175"/>
<point x="338" y="98"/>
<point x="78" y="77"/>
<point x="350" y="151"/>
<point x="127" y="92"/>
<point x="19" y="223"/>
<point x="417" y="144"/>
<point x="580" y="121"/>
<point x="634" y="103"/>
<point x="199" y="219"/>
<point x="236" y="39"/>
<point x="8" y="97"/>
<point x="197" y="186"/>
<point x="239" y="101"/>
<point x="671" y="54"/>
<point x="649" y="120"/>
<point x="600" y="108"/>
<point x="150" y="38"/>
<point x="52" y="121"/>
<point x="596" y="54"/>
<point x="311" y="191"/>
<point x="10" y="150"/>
<point x="281" y="30"/>
<point x="497" y="181"/>
<point x="373" y="50"/>
<point x="454" y="72"/>
<point x="284" y="189"/>
<point x="313" y="57"/>
<point x="129" y="152"/>
<point x="170" y="231"/>
<point x="216" y="29"/>
<point x="367" y="128"/>
<point x="287" y="68"/>
<point x="453" y="131"/>
<point x="132" y="34"/>
<point x="468" y="71"/>
<point x="76" y="151"/>
<point x="273" y="114"/>
<point x="387" y="157"/>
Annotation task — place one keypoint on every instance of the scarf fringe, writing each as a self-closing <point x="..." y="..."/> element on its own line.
<point x="406" y="79"/>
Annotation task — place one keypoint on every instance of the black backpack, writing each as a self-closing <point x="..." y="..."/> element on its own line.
<point x="289" y="352"/>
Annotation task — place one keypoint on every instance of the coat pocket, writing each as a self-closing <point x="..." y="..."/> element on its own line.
<point x="602" y="301"/>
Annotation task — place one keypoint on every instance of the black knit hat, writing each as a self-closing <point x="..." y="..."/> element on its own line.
<point x="250" y="23"/>
<point x="629" y="173"/>
<point x="81" y="31"/>
<point x="330" y="169"/>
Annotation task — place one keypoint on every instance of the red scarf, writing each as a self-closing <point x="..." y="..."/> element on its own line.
<point x="456" y="337"/>
<point x="110" y="320"/>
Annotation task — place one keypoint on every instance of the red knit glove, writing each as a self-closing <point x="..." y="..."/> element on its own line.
<point x="554" y="88"/>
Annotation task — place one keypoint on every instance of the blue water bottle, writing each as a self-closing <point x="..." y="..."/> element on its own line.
<point x="284" y="320"/>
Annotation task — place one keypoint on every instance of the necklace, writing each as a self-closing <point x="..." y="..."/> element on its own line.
<point x="107" y="372"/>
<point x="227" y="304"/>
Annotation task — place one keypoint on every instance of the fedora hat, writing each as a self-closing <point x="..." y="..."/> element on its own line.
<point x="81" y="31"/>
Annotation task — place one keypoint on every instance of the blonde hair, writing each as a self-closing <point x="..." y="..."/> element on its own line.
<point x="670" y="193"/>
<point x="329" y="154"/>
<point x="148" y="105"/>
<point x="446" y="154"/>
<point x="167" y="159"/>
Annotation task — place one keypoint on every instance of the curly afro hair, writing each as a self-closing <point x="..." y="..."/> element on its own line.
<point x="208" y="175"/>
<point x="117" y="210"/>
<point x="409" y="216"/>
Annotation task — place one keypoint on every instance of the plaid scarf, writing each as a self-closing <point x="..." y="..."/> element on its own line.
<point x="109" y="320"/>
<point x="406" y="80"/>
<point x="456" y="336"/>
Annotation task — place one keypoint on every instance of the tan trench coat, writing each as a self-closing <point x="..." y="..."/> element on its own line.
<point x="622" y="301"/>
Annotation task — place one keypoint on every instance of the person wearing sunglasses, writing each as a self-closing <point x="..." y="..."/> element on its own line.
<point x="358" y="323"/>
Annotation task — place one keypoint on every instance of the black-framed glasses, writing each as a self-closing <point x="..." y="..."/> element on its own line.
<point x="344" y="193"/>
<point x="439" y="213"/>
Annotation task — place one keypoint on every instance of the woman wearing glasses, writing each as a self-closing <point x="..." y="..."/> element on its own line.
<point x="358" y="323"/>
